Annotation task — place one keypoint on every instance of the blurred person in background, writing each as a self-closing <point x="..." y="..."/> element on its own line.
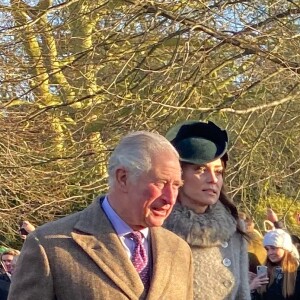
<point x="4" y="288"/>
<point x="296" y="242"/>
<point x="8" y="258"/>
<point x="272" y="217"/>
<point x="283" y="271"/>
<point x="256" y="250"/>
<point x="275" y="223"/>
<point x="6" y="261"/>
<point x="14" y="264"/>
<point x="25" y="228"/>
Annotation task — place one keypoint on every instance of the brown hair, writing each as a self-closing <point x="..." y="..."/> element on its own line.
<point x="10" y="252"/>
<point x="229" y="205"/>
<point x="289" y="265"/>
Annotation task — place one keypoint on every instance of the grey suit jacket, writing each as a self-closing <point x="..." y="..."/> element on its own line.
<point x="81" y="257"/>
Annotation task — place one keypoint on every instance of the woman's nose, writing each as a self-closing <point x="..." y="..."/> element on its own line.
<point x="212" y="176"/>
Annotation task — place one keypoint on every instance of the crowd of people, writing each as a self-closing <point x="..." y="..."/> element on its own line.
<point x="8" y="259"/>
<point x="166" y="229"/>
<point x="278" y="252"/>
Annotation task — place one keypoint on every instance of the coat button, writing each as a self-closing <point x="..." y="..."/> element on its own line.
<point x="224" y="244"/>
<point x="227" y="283"/>
<point x="226" y="262"/>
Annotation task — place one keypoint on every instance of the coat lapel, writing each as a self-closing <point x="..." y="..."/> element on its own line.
<point x="162" y="257"/>
<point x="96" y="236"/>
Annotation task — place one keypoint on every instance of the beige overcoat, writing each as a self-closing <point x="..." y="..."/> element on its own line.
<point x="80" y="257"/>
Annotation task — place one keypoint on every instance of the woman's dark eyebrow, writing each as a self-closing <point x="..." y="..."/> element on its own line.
<point x="205" y="165"/>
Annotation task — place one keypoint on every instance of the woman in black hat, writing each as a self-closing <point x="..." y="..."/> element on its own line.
<point x="205" y="217"/>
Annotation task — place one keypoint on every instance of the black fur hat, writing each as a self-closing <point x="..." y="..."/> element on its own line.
<point x="199" y="142"/>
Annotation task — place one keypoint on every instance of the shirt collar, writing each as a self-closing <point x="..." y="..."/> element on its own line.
<point x="121" y="227"/>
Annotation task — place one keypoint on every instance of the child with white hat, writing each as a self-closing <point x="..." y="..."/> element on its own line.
<point x="283" y="268"/>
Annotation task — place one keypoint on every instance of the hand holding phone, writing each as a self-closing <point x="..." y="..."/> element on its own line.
<point x="262" y="271"/>
<point x="260" y="279"/>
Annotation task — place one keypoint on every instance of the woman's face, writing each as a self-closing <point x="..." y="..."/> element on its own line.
<point x="202" y="185"/>
<point x="275" y="254"/>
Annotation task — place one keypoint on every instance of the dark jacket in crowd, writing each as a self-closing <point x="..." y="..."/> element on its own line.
<point x="4" y="287"/>
<point x="274" y="292"/>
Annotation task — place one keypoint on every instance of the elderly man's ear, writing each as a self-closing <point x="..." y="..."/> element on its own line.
<point x="122" y="179"/>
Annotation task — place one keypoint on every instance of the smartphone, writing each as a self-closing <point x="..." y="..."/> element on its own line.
<point x="262" y="270"/>
<point x="23" y="231"/>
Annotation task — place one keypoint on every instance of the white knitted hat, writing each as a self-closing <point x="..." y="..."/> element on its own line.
<point x="278" y="238"/>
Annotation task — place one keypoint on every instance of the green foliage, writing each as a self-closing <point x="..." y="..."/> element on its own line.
<point x="285" y="207"/>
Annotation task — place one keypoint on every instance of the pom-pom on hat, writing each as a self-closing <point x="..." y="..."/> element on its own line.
<point x="199" y="142"/>
<point x="278" y="238"/>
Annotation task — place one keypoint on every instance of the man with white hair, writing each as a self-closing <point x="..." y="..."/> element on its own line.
<point x="115" y="248"/>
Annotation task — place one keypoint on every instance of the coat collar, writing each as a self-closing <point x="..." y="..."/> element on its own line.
<point x="95" y="235"/>
<point x="209" y="229"/>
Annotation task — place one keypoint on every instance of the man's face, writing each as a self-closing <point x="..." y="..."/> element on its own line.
<point x="152" y="195"/>
<point x="7" y="260"/>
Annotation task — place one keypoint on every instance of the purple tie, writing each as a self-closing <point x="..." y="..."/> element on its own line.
<point x="139" y="258"/>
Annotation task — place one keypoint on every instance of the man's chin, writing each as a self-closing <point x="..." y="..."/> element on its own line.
<point x="154" y="221"/>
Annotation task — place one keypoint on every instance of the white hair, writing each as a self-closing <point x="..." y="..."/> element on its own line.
<point x="135" y="152"/>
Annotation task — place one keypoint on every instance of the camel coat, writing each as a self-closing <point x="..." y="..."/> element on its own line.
<point x="80" y="257"/>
